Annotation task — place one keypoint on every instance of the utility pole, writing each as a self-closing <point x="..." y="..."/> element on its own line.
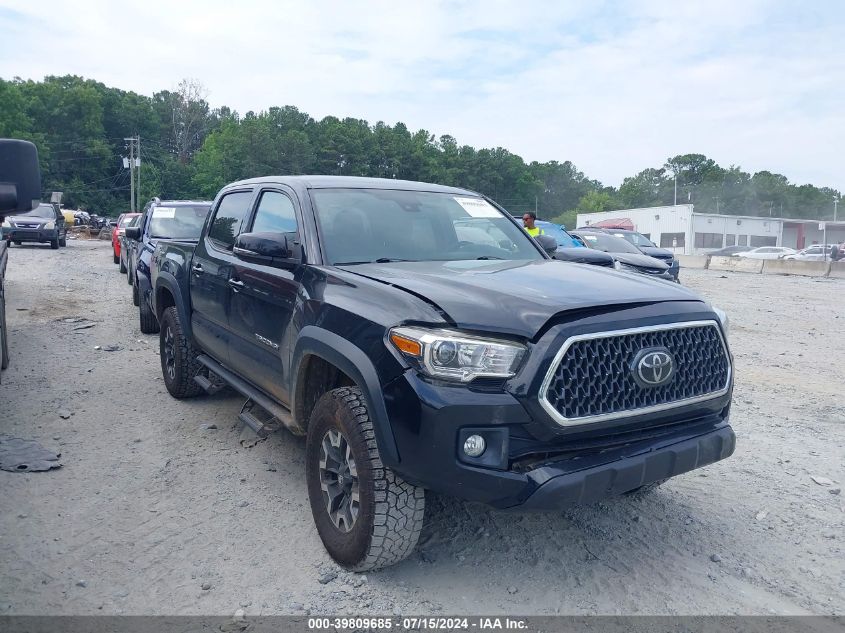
<point x="134" y="161"/>
<point x="676" y="189"/>
<point x="535" y="205"/>
<point x="835" y="205"/>
<point x="716" y="198"/>
<point x="131" y="173"/>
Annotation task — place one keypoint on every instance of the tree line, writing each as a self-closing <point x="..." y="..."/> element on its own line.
<point x="190" y="150"/>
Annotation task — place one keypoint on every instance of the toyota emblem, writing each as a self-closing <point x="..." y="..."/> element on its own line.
<point x="654" y="367"/>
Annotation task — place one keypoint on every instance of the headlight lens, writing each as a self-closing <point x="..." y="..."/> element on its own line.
<point x="7" y="224"/>
<point x="50" y="225"/>
<point x="455" y="356"/>
<point x="723" y="319"/>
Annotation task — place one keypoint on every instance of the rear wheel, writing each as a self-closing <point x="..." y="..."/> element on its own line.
<point x="366" y="515"/>
<point x="179" y="362"/>
<point x="122" y="265"/>
<point x="116" y="259"/>
<point x="149" y="323"/>
<point x="135" y="299"/>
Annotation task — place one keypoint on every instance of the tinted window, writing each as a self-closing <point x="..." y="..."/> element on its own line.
<point x="181" y="222"/>
<point x="275" y="214"/>
<point x="229" y="218"/>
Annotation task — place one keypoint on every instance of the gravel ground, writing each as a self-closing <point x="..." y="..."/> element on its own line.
<point x="161" y="508"/>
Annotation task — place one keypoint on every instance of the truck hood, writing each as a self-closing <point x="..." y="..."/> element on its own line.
<point x="517" y="297"/>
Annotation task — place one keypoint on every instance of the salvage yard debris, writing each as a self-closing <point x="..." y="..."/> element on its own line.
<point x="25" y="456"/>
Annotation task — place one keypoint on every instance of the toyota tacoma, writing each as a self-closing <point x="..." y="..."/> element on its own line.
<point x="416" y="357"/>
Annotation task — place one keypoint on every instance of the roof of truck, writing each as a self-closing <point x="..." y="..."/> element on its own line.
<point x="355" y="182"/>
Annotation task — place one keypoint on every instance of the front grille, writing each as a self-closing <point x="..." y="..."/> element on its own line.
<point x="592" y="377"/>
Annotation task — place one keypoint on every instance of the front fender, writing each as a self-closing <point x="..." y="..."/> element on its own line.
<point x="166" y="282"/>
<point x="350" y="359"/>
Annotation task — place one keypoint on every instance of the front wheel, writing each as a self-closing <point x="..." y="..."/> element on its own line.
<point x="54" y="244"/>
<point x="122" y="265"/>
<point x="366" y="515"/>
<point x="135" y="298"/>
<point x="179" y="362"/>
<point x="116" y="259"/>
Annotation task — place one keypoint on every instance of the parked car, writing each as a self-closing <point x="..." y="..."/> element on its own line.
<point x="44" y="224"/>
<point x="767" y="252"/>
<point x="126" y="246"/>
<point x="571" y="250"/>
<point x="118" y="230"/>
<point x="349" y="311"/>
<point x="628" y="257"/>
<point x="649" y="248"/>
<point x="170" y="219"/>
<point x="814" y="253"/>
<point x="729" y="251"/>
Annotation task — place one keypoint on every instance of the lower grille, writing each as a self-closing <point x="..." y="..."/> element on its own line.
<point x="594" y="376"/>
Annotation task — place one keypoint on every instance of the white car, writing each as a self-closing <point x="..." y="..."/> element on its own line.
<point x="814" y="253"/>
<point x="767" y="252"/>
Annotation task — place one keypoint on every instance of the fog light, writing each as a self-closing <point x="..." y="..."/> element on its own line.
<point x="474" y="445"/>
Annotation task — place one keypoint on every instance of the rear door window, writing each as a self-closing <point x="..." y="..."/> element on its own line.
<point x="229" y="217"/>
<point x="275" y="214"/>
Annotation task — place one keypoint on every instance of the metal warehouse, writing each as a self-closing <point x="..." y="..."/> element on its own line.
<point x="680" y="228"/>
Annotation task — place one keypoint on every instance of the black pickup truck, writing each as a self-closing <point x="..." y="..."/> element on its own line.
<point x="349" y="310"/>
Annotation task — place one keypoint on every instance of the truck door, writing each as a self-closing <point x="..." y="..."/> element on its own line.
<point x="211" y="269"/>
<point x="263" y="300"/>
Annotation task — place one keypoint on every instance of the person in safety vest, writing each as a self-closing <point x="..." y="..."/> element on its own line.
<point x="528" y="222"/>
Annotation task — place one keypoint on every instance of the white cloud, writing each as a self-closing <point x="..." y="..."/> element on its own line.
<point x="613" y="87"/>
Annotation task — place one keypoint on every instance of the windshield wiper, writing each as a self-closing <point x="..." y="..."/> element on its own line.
<point x="387" y="260"/>
<point x="489" y="257"/>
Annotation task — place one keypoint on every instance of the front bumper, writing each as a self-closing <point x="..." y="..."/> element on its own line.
<point x="627" y="470"/>
<point x="30" y="235"/>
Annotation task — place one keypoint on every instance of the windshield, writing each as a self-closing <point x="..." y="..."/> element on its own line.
<point x="563" y="239"/>
<point x="369" y="225"/>
<point x="41" y="211"/>
<point x="177" y="223"/>
<point x="634" y="238"/>
<point x="608" y="243"/>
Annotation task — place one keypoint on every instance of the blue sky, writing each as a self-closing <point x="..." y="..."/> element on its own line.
<point x="614" y="87"/>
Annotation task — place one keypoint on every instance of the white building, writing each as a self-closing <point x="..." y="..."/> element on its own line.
<point x="681" y="229"/>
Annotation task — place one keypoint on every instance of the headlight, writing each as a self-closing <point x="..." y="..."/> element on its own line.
<point x="49" y="225"/>
<point x="723" y="319"/>
<point x="6" y="224"/>
<point x="617" y="265"/>
<point x="456" y="356"/>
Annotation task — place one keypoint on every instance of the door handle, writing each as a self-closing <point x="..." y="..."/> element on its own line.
<point x="236" y="284"/>
<point x="197" y="269"/>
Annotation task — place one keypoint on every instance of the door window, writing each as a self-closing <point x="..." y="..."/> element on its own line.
<point x="229" y="218"/>
<point x="275" y="214"/>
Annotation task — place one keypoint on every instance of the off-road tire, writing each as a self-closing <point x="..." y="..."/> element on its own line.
<point x="147" y="319"/>
<point x="390" y="514"/>
<point x="186" y="365"/>
<point x="136" y="297"/>
<point x="129" y="277"/>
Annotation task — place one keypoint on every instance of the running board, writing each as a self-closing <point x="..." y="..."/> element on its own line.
<point x="276" y="410"/>
<point x="209" y="386"/>
<point x="249" y="415"/>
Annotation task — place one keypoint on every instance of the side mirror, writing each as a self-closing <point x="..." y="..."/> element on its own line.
<point x="20" y="176"/>
<point x="133" y="233"/>
<point x="267" y="248"/>
<point x="547" y="243"/>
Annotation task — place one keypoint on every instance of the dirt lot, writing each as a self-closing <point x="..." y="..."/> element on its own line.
<point x="153" y="503"/>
